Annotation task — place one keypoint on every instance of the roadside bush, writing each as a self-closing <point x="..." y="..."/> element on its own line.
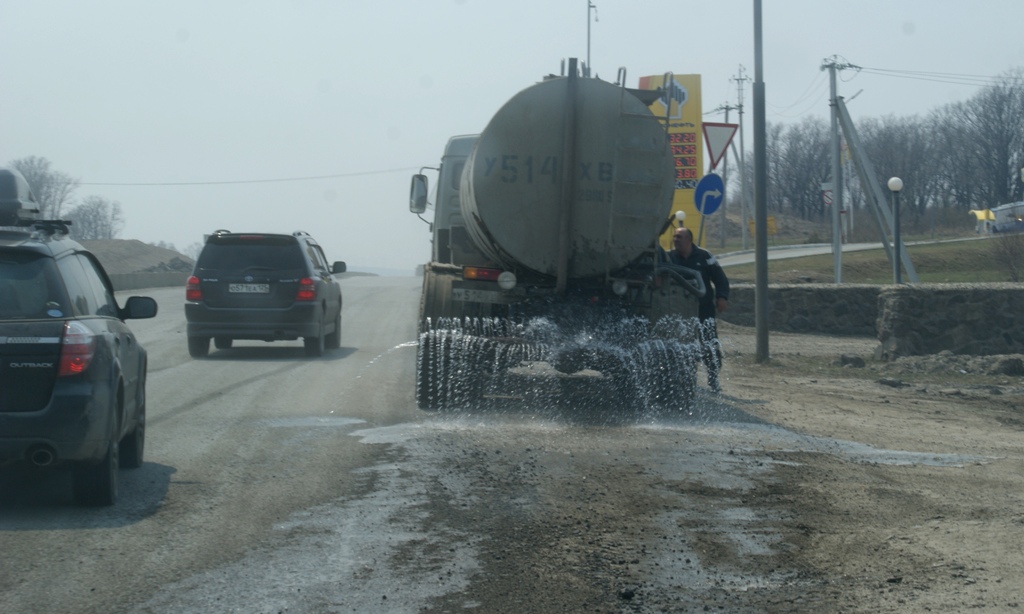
<point x="1008" y="254"/>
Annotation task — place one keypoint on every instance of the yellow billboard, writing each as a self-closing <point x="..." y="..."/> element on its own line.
<point x="680" y="105"/>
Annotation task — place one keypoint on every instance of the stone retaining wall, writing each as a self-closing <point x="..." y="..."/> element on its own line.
<point x="833" y="309"/>
<point x="975" y="319"/>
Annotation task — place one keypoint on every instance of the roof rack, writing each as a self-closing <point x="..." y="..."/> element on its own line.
<point x="301" y="233"/>
<point x="50" y="227"/>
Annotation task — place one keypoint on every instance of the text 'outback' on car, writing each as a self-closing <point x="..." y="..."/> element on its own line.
<point x="72" y="374"/>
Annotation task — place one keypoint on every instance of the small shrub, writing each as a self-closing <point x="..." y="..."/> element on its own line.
<point x="1008" y="254"/>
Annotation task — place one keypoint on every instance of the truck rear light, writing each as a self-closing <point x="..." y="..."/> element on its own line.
<point x="192" y="290"/>
<point x="77" y="349"/>
<point x="307" y="290"/>
<point x="473" y="272"/>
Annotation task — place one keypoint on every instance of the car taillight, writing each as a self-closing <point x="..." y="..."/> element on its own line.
<point x="192" y="290"/>
<point x="77" y="348"/>
<point x="307" y="290"/>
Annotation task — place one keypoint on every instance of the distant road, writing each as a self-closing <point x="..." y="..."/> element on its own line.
<point x="792" y="251"/>
<point x="815" y="249"/>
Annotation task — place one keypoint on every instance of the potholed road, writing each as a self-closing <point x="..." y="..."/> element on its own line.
<point x="279" y="483"/>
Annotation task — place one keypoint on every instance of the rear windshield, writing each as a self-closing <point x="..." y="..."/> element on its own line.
<point x="251" y="252"/>
<point x="30" y="287"/>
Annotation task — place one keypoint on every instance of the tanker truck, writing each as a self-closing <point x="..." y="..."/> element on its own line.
<point x="545" y="279"/>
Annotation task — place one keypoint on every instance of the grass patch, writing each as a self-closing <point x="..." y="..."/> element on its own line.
<point x="968" y="261"/>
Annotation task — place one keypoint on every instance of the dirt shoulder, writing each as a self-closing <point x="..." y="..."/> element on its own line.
<point x="937" y="526"/>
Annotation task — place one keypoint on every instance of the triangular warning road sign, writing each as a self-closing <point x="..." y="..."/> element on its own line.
<point x="718" y="137"/>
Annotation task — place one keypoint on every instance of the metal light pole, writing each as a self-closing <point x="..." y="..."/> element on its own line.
<point x="895" y="185"/>
<point x="760" y="198"/>
<point x="590" y="5"/>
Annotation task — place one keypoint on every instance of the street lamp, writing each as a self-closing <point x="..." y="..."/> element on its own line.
<point x="895" y="185"/>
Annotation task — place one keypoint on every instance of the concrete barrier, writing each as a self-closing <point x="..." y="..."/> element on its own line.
<point x="134" y="281"/>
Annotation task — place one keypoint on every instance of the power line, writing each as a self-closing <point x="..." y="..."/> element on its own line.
<point x="817" y="89"/>
<point x="244" y="181"/>
<point x="942" y="77"/>
<point x="938" y="77"/>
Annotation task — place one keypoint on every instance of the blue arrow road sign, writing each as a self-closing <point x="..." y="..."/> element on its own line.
<point x="709" y="194"/>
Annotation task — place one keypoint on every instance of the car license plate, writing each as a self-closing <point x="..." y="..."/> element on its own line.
<point x="249" y="288"/>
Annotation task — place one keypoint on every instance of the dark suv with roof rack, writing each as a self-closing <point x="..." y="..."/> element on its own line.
<point x="72" y="374"/>
<point x="268" y="287"/>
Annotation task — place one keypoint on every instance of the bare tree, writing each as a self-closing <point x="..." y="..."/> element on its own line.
<point x="903" y="147"/>
<point x="805" y="158"/>
<point x="996" y="119"/>
<point x="776" y="169"/>
<point x="192" y="251"/>
<point x="52" y="189"/>
<point x="964" y="155"/>
<point x="96" y="218"/>
<point x="956" y="158"/>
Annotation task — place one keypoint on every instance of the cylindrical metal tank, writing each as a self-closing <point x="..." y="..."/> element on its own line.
<point x="569" y="168"/>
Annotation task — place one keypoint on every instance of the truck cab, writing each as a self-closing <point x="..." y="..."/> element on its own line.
<point x="451" y="243"/>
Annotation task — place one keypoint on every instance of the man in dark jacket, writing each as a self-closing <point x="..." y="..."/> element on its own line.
<point x="715" y="300"/>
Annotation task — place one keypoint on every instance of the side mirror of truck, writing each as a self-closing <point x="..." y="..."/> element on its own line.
<point x="338" y="267"/>
<point x="418" y="194"/>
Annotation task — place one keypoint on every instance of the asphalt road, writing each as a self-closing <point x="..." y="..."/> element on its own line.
<point x="236" y="445"/>
<point x="275" y="483"/>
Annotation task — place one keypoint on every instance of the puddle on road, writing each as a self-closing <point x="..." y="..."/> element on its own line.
<point x="756" y="439"/>
<point x="391" y="546"/>
<point x="398" y="433"/>
<point x="311" y="421"/>
<point x="737" y="430"/>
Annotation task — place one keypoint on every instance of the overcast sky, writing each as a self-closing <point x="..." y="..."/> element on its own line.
<point x="365" y="93"/>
